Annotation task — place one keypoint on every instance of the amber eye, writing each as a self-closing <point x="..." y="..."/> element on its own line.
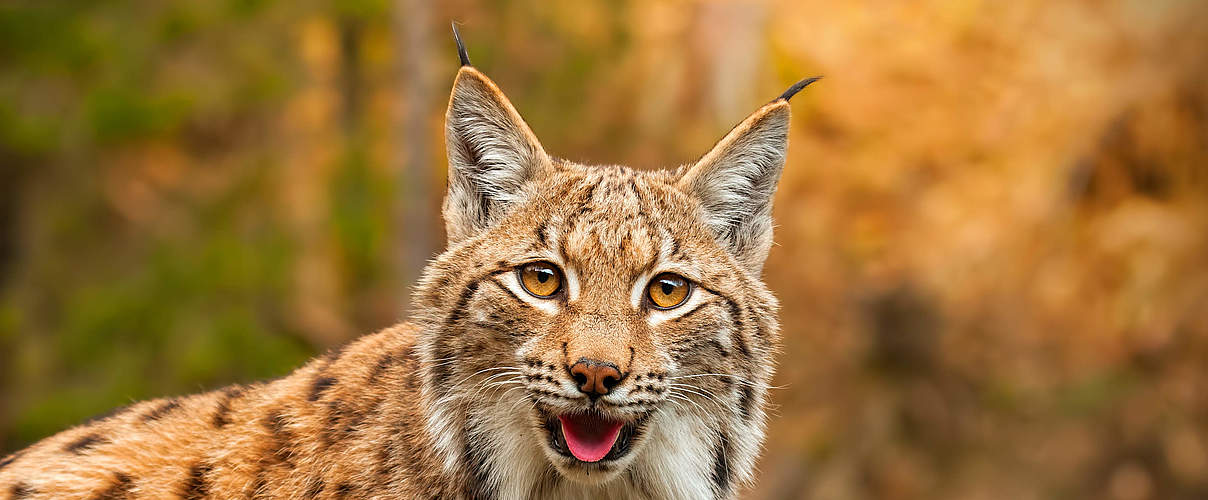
<point x="541" y="279"/>
<point x="667" y="290"/>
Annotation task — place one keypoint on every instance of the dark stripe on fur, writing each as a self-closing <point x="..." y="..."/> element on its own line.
<point x="676" y="249"/>
<point x="259" y="483"/>
<point x="590" y="197"/>
<point x="21" y="490"/>
<point x="485" y="203"/>
<point x="162" y="410"/>
<point x="282" y="446"/>
<point x="343" y="490"/>
<point x="443" y="370"/>
<point x="315" y="488"/>
<point x="382" y="472"/>
<point x="541" y="234"/>
<point x="459" y="307"/>
<point x="746" y="401"/>
<point x="385" y="362"/>
<point x="740" y="340"/>
<point x="118" y="489"/>
<point x="317" y="388"/>
<point x="479" y="487"/>
<point x="333" y="355"/>
<point x="509" y="292"/>
<point x="721" y="466"/>
<point x="736" y="315"/>
<point x="343" y="420"/>
<point x="4" y="462"/>
<point x="721" y="349"/>
<point x="196" y="484"/>
<point x="222" y="415"/>
<point x="79" y="446"/>
<point x="694" y="310"/>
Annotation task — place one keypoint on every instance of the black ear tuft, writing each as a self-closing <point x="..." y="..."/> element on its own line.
<point x="792" y="91"/>
<point x="461" y="47"/>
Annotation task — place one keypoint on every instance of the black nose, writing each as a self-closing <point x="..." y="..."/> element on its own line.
<point x="595" y="378"/>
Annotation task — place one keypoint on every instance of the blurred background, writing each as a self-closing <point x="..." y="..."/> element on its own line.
<point x="993" y="228"/>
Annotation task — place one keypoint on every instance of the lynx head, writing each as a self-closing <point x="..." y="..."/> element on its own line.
<point x="586" y="322"/>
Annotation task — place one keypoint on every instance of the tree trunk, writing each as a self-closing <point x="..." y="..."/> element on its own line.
<point x="416" y="216"/>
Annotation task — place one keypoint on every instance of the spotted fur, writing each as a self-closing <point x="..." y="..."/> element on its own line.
<point x="457" y="403"/>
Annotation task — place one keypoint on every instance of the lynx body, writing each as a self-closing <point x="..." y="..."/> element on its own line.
<point x="590" y="332"/>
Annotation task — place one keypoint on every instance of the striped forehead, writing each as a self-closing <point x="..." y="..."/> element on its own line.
<point x="611" y="227"/>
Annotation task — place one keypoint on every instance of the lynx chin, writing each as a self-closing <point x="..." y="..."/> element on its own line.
<point x="589" y="332"/>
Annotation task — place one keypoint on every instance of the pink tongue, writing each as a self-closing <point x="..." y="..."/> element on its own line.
<point x="589" y="438"/>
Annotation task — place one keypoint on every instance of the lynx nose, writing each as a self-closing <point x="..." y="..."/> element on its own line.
<point x="595" y="378"/>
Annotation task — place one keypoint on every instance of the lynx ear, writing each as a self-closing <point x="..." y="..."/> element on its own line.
<point x="492" y="154"/>
<point x="735" y="181"/>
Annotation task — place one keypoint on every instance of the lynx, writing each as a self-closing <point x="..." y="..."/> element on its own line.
<point x="589" y="332"/>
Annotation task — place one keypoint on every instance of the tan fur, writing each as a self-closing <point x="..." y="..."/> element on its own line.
<point x="455" y="403"/>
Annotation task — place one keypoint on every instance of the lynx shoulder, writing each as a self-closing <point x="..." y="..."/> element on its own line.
<point x="589" y="332"/>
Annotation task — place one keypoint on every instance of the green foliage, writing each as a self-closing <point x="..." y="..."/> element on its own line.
<point x="112" y="303"/>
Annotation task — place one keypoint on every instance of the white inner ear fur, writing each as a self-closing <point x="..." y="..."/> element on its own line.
<point x="492" y="155"/>
<point x="735" y="182"/>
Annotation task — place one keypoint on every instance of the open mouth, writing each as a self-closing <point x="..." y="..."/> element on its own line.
<point x="590" y="437"/>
